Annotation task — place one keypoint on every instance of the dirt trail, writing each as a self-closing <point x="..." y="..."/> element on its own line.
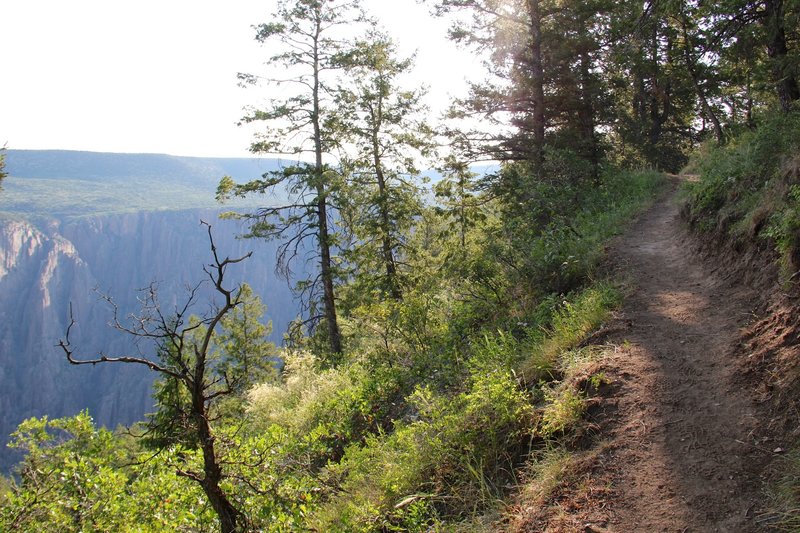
<point x="685" y="455"/>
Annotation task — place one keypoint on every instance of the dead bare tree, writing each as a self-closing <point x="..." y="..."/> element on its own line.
<point x="184" y="348"/>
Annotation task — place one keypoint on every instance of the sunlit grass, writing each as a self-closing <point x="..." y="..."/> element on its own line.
<point x="786" y="494"/>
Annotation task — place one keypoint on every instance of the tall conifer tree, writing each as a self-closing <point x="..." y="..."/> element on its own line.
<point x="386" y="126"/>
<point x="310" y="36"/>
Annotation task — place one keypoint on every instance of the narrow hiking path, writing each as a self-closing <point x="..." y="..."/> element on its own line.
<point x="684" y="454"/>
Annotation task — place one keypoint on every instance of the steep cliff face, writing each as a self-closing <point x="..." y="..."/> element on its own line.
<point x="50" y="264"/>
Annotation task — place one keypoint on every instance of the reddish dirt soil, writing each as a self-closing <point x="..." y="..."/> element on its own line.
<point x="687" y="451"/>
<point x="683" y="443"/>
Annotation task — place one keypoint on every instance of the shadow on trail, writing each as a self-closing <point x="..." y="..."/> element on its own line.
<point x="683" y="434"/>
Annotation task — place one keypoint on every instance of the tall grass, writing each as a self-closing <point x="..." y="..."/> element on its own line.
<point x="786" y="494"/>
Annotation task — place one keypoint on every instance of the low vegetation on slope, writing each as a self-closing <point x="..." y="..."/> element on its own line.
<point x="749" y="189"/>
<point x="441" y="400"/>
<point x="447" y="337"/>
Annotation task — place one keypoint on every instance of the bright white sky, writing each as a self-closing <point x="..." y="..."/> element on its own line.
<point x="159" y="76"/>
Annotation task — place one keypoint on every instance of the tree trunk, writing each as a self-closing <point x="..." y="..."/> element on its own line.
<point x="656" y="117"/>
<point x="587" y="117"/>
<point x="691" y="66"/>
<point x="661" y="91"/>
<point x="778" y="52"/>
<point x="537" y="79"/>
<point x="708" y="112"/>
<point x="639" y="106"/>
<point x="749" y="104"/>
<point x="386" y="230"/>
<point x="228" y="515"/>
<point x="326" y="273"/>
<point x="326" y="264"/>
<point x="462" y="213"/>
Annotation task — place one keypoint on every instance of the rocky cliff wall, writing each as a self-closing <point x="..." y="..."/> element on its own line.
<point x="49" y="264"/>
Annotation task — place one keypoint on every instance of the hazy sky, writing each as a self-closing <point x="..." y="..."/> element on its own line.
<point x="160" y="75"/>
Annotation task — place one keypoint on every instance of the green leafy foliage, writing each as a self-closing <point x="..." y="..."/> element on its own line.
<point x="557" y="231"/>
<point x="70" y="456"/>
<point x="439" y="465"/>
<point x="76" y="477"/>
<point x="458" y="202"/>
<point x="467" y="399"/>
<point x="784" y="229"/>
<point x="748" y="189"/>
<point x="441" y="398"/>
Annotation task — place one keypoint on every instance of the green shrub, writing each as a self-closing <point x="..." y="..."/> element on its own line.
<point x="563" y="411"/>
<point x="784" y="229"/>
<point x="76" y="477"/>
<point x="450" y="462"/>
<point x="562" y="254"/>
<point x="748" y="189"/>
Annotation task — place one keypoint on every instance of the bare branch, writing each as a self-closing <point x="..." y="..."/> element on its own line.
<point x="66" y="347"/>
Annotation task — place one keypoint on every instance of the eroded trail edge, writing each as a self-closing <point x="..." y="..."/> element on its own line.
<point x="684" y="454"/>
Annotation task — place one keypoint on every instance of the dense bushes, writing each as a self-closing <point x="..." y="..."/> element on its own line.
<point x="749" y="189"/>
<point x="441" y="398"/>
<point x="560" y="251"/>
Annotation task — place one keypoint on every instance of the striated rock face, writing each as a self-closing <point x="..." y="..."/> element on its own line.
<point x="50" y="264"/>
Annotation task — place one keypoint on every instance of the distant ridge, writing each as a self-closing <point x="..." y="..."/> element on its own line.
<point x="78" y="183"/>
<point x="58" y="164"/>
<point x="68" y="183"/>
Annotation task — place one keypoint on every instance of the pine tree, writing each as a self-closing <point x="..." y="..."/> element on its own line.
<point x="309" y="37"/>
<point x="386" y="127"/>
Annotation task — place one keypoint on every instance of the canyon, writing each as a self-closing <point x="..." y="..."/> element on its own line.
<point x="70" y="259"/>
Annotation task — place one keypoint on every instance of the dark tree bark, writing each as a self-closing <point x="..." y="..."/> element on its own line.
<point x="537" y="80"/>
<point x="778" y="52"/>
<point x="326" y="272"/>
<point x="229" y="517"/>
